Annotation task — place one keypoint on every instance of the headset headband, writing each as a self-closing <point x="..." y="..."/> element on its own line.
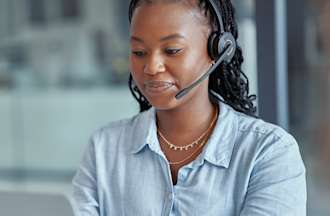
<point x="217" y="13"/>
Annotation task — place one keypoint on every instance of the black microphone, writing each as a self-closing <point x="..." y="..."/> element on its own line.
<point x="185" y="90"/>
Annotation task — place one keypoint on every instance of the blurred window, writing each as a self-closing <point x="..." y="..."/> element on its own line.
<point x="37" y="11"/>
<point x="309" y="93"/>
<point x="70" y="8"/>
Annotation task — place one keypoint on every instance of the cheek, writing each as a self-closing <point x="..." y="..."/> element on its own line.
<point x="136" y="72"/>
<point x="191" y="66"/>
<point x="135" y="68"/>
<point x="131" y="64"/>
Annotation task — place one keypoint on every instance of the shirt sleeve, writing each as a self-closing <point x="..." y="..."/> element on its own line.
<point x="85" y="184"/>
<point x="277" y="185"/>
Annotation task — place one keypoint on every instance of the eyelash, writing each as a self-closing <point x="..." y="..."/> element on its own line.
<point x="172" y="51"/>
<point x="138" y="53"/>
<point x="169" y="51"/>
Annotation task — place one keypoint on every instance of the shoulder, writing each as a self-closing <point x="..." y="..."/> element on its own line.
<point x="265" y="149"/>
<point x="262" y="138"/>
<point x="123" y="124"/>
<point x="121" y="131"/>
<point x="268" y="158"/>
<point x="260" y="128"/>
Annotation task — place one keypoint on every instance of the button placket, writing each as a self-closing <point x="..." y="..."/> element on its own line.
<point x="182" y="175"/>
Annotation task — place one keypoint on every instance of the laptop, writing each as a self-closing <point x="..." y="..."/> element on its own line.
<point x="14" y="203"/>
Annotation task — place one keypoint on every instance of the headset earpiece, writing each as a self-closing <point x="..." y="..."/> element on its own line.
<point x="212" y="45"/>
<point x="227" y="44"/>
<point x="218" y="43"/>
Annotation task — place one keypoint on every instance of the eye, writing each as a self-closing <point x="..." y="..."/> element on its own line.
<point x="172" y="51"/>
<point x="139" y="53"/>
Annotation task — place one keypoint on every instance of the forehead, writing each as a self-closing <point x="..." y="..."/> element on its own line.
<point x="167" y="16"/>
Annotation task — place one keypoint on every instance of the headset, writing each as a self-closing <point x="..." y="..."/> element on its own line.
<point x="220" y="40"/>
<point x="221" y="46"/>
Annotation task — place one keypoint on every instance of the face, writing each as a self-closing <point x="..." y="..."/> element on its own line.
<point x="169" y="52"/>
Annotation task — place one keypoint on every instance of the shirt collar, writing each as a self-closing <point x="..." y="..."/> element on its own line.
<point x="219" y="148"/>
<point x="147" y="134"/>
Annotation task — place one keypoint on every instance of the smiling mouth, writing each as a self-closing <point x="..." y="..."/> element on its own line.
<point x="157" y="86"/>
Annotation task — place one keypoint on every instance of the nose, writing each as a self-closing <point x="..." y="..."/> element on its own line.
<point x="154" y="65"/>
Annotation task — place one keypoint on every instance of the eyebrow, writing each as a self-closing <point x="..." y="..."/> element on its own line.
<point x="169" y="37"/>
<point x="172" y="36"/>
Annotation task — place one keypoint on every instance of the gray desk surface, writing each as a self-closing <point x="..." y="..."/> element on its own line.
<point x="14" y="203"/>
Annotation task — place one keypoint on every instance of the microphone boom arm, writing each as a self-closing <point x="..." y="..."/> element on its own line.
<point x="185" y="90"/>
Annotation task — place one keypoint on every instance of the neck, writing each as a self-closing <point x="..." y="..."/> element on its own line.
<point x="189" y="121"/>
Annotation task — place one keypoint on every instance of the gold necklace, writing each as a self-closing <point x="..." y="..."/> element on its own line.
<point x="185" y="159"/>
<point x="192" y="144"/>
<point x="185" y="147"/>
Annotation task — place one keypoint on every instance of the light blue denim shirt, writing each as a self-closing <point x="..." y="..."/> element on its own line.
<point x="248" y="167"/>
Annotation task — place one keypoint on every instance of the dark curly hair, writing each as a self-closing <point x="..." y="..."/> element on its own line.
<point x="228" y="80"/>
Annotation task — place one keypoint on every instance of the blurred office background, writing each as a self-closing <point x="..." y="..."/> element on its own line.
<point x="64" y="70"/>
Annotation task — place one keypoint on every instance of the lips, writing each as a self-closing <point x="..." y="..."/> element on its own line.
<point x="157" y="86"/>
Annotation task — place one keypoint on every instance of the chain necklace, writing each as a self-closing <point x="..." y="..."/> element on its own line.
<point x="189" y="156"/>
<point x="192" y="144"/>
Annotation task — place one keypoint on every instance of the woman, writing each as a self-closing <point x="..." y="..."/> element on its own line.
<point x="203" y="153"/>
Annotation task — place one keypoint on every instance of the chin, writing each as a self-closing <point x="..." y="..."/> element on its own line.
<point x="161" y="104"/>
<point x="162" y="101"/>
